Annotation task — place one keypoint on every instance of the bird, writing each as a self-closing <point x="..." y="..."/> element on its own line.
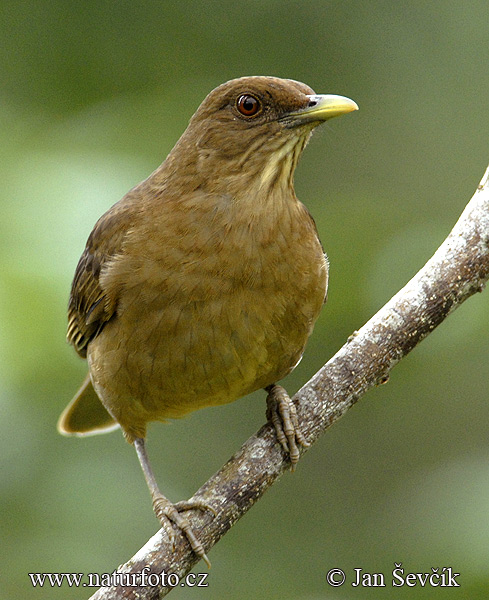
<point x="203" y="283"/>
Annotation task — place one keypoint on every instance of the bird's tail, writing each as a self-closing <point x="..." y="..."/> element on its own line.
<point x="85" y="414"/>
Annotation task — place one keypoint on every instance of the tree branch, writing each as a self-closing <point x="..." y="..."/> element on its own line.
<point x="459" y="268"/>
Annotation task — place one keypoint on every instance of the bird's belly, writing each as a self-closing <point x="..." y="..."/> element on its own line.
<point x="211" y="349"/>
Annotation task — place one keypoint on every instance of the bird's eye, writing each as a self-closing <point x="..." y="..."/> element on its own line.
<point x="248" y="105"/>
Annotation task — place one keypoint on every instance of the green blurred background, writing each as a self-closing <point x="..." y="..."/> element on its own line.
<point x="93" y="95"/>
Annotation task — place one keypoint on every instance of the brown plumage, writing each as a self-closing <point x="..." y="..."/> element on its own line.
<point x="204" y="282"/>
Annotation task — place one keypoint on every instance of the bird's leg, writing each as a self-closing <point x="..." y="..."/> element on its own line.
<point x="166" y="511"/>
<point x="283" y="415"/>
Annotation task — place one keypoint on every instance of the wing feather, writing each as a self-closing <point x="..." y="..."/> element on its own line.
<point x="90" y="307"/>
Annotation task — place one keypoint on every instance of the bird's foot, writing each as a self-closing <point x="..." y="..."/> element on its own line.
<point x="282" y="413"/>
<point x="169" y="513"/>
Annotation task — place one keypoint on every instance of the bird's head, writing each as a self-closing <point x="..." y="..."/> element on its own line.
<point x="257" y="127"/>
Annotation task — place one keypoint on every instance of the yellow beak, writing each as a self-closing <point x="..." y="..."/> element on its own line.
<point x="323" y="107"/>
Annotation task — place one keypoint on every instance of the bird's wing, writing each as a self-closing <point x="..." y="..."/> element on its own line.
<point x="90" y="307"/>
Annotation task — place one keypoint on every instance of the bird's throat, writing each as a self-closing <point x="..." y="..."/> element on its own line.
<point x="278" y="170"/>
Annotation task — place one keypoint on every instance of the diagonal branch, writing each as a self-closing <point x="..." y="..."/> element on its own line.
<point x="459" y="268"/>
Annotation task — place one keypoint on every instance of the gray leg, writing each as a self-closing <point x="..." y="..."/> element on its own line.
<point x="165" y="510"/>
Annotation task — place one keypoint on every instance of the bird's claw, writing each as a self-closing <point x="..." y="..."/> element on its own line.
<point x="169" y="514"/>
<point x="282" y="413"/>
<point x="194" y="504"/>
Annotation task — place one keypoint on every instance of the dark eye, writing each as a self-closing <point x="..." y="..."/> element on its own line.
<point x="248" y="105"/>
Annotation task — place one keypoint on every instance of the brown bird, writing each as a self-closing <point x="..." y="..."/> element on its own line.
<point x="204" y="282"/>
